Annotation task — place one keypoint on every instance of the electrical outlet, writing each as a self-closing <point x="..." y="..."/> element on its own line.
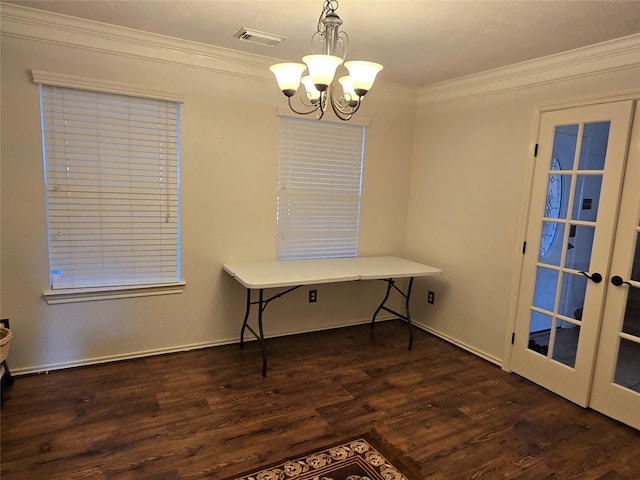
<point x="313" y="296"/>
<point x="431" y="297"/>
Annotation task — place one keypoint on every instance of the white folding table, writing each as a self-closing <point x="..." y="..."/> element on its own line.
<point x="293" y="274"/>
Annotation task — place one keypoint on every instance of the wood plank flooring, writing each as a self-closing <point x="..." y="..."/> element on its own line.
<point x="209" y="414"/>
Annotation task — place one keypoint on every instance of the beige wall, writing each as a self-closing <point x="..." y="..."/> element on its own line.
<point x="445" y="182"/>
<point x="469" y="182"/>
<point x="229" y="169"/>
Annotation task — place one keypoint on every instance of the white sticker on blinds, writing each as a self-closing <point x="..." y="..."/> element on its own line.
<point x="319" y="189"/>
<point x="112" y="182"/>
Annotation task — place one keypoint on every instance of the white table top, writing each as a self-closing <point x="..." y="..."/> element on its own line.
<point x="289" y="273"/>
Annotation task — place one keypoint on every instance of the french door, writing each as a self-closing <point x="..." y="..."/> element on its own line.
<point x="571" y="234"/>
<point x="616" y="384"/>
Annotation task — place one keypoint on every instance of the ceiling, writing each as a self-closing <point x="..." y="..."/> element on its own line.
<point x="419" y="42"/>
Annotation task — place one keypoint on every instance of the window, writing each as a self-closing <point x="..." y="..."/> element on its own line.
<point x="112" y="183"/>
<point x="319" y="189"/>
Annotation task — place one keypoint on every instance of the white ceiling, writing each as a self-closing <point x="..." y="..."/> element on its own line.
<point x="419" y="42"/>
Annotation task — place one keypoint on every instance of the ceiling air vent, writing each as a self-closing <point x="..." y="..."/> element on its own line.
<point x="261" y="38"/>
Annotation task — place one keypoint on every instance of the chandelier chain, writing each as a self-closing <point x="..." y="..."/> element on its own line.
<point x="329" y="6"/>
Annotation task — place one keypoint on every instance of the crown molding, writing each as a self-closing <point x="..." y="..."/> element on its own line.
<point x="57" y="29"/>
<point x="53" y="28"/>
<point x="613" y="55"/>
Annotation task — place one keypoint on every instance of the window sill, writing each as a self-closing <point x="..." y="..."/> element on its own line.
<point x="73" y="295"/>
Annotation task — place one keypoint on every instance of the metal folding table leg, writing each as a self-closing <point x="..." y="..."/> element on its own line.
<point x="407" y="296"/>
<point x="262" y="304"/>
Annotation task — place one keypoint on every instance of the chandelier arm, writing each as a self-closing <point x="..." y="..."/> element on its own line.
<point x="344" y="37"/>
<point x="322" y="104"/>
<point x="319" y="35"/>
<point x="342" y="116"/>
<point x="343" y="112"/>
<point x="305" y="99"/>
<point x="299" y="112"/>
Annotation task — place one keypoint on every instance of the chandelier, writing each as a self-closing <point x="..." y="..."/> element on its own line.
<point x="320" y="85"/>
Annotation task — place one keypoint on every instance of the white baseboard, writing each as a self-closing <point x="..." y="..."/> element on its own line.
<point x="46" y="368"/>
<point x="195" y="346"/>
<point x="479" y="353"/>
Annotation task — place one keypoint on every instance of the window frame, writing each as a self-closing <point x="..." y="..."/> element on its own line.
<point x="91" y="293"/>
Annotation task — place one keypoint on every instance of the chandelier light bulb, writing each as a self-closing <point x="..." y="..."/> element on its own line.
<point x="350" y="96"/>
<point x="362" y="74"/>
<point x="322" y="69"/>
<point x="288" y="76"/>
<point x="312" y="91"/>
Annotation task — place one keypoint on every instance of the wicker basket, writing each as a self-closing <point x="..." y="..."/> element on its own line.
<point x="5" y="339"/>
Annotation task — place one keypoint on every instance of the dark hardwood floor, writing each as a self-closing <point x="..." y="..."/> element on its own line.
<point x="209" y="414"/>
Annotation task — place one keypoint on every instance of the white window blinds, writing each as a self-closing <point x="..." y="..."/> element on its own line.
<point x="319" y="188"/>
<point x="112" y="181"/>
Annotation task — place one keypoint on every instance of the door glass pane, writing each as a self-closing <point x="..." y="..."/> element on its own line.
<point x="595" y="137"/>
<point x="551" y="243"/>
<point x="539" y="333"/>
<point x="564" y="146"/>
<point x="635" y="267"/>
<point x="565" y="344"/>
<point x="553" y="203"/>
<point x="631" y="324"/>
<point x="579" y="246"/>
<point x="544" y="296"/>
<point x="574" y="289"/>
<point x="556" y="203"/>
<point x="587" y="197"/>
<point x="628" y="365"/>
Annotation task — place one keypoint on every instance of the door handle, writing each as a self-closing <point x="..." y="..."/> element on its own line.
<point x="595" y="278"/>
<point x="617" y="281"/>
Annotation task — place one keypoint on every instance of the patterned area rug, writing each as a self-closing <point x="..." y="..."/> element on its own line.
<point x="365" y="457"/>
